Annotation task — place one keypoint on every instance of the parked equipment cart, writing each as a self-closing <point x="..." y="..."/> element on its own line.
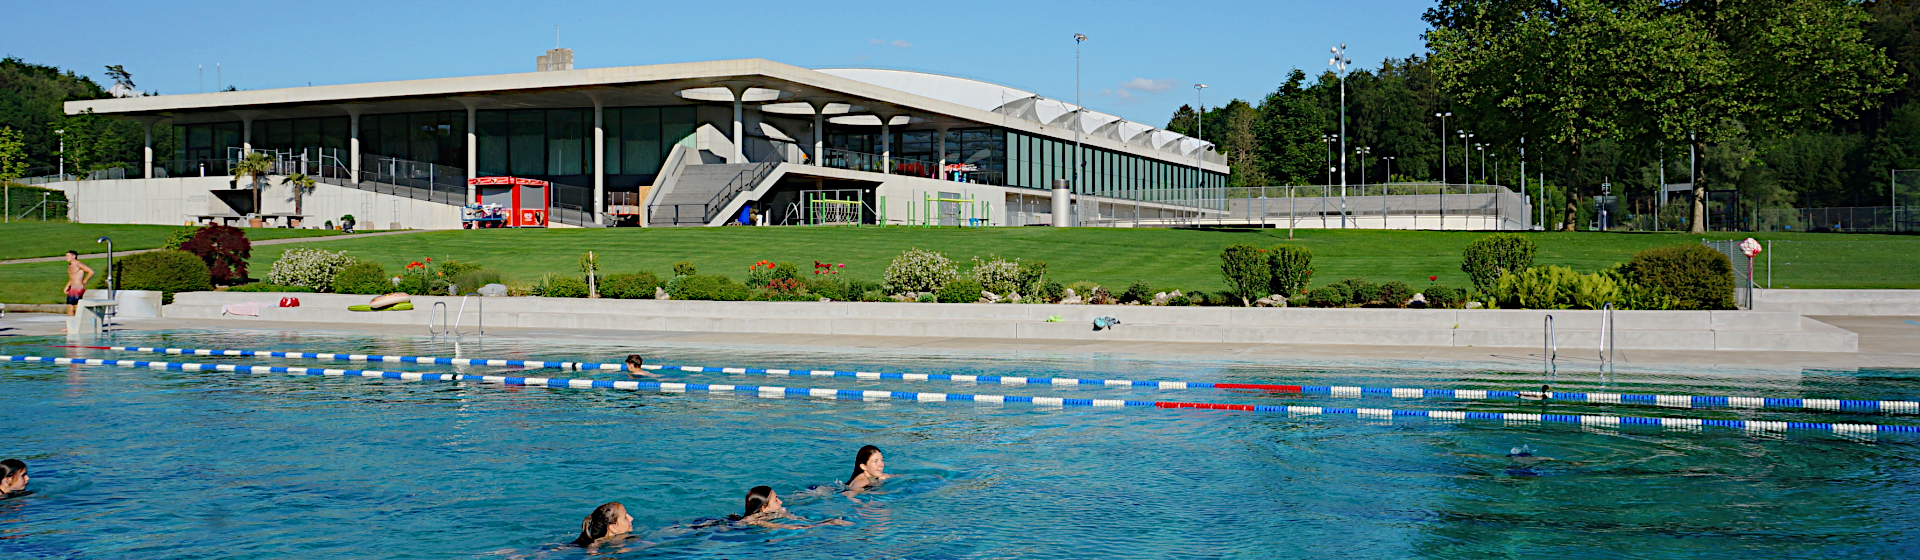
<point x="526" y="201"/>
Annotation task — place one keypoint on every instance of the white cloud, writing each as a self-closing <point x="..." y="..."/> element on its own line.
<point x="896" y="43"/>
<point x="1148" y="86"/>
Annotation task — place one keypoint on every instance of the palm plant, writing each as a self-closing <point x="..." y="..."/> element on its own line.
<point x="257" y="166"/>
<point x="301" y="184"/>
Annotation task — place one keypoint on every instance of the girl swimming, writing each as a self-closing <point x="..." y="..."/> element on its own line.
<point x="608" y="520"/>
<point x="764" y="508"/>
<point x="869" y="468"/>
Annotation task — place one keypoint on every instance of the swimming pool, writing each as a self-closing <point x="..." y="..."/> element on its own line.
<point x="171" y="464"/>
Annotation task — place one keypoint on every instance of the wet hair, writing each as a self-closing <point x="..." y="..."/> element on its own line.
<point x="594" y="527"/>
<point x="860" y="461"/>
<point x="634" y="361"/>
<point x="756" y="500"/>
<point x="7" y="468"/>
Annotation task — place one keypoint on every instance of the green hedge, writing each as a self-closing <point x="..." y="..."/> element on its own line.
<point x="1694" y="276"/>
<point x="364" y="277"/>
<point x="715" y="288"/>
<point x="1289" y="268"/>
<point x="265" y="287"/>
<point x="1487" y="258"/>
<point x="167" y="272"/>
<point x="639" y="285"/>
<point x="1247" y="272"/>
<point x="963" y="290"/>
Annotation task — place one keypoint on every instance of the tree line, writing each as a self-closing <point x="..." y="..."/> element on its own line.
<point x="1789" y="103"/>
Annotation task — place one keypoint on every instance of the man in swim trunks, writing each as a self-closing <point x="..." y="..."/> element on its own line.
<point x="78" y="274"/>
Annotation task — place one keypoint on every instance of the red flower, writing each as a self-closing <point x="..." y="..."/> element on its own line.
<point x="1432" y="278"/>
<point x="429" y="259"/>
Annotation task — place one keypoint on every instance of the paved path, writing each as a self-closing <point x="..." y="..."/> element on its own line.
<point x="1893" y="345"/>
<point x="256" y="243"/>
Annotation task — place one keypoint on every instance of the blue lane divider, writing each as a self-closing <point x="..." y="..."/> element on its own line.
<point x="1669" y="401"/>
<point x="1693" y="424"/>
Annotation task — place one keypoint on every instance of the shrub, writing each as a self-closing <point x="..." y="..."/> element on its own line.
<point x="920" y="271"/>
<point x="828" y="286"/>
<point x="471" y="281"/>
<point x="1100" y="296"/>
<point x="362" y="277"/>
<point x="927" y="298"/>
<point x="1555" y="287"/>
<point x="1359" y="290"/>
<point x="1335" y="295"/>
<point x="630" y="286"/>
<point x="167" y="272"/>
<point x="873" y="295"/>
<point x="760" y="273"/>
<point x="265" y="287"/>
<point x="1695" y="276"/>
<point x="1395" y="294"/>
<point x="684" y="268"/>
<point x="1083" y="288"/>
<point x="1032" y="275"/>
<point x="1444" y="297"/>
<point x="180" y="237"/>
<point x="964" y="290"/>
<point x="786" y="271"/>
<point x="1181" y="300"/>
<point x="1290" y="267"/>
<point x="224" y="249"/>
<point x="858" y="286"/>
<point x="715" y="288"/>
<point x="1486" y="258"/>
<point x="999" y="275"/>
<point x="555" y="285"/>
<point x="1137" y="292"/>
<point x="1246" y="270"/>
<point x="1049" y="292"/>
<point x="311" y="268"/>
<point x="452" y="269"/>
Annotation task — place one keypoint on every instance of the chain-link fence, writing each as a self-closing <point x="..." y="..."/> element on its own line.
<point x="1814" y="262"/>
<point x="1376" y="206"/>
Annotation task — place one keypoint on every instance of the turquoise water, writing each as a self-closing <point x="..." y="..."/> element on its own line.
<point x="134" y="463"/>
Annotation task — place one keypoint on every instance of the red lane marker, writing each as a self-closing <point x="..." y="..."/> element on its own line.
<point x="1256" y="386"/>
<point x="1208" y="406"/>
<point x="86" y="347"/>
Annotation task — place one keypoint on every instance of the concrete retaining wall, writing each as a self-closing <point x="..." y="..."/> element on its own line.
<point x="1839" y="302"/>
<point x="175" y="201"/>
<point x="1654" y="330"/>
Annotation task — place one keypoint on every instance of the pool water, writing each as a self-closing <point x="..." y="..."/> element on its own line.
<point x="137" y="463"/>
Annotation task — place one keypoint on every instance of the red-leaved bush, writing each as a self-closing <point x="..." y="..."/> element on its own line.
<point x="225" y="249"/>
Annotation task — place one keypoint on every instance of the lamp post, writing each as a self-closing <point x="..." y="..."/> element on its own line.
<point x="1339" y="63"/>
<point x="1200" y="116"/>
<point x="1466" y="147"/>
<point x="1483" y="159"/>
<point x="1328" y="140"/>
<point x="1443" y="147"/>
<point x="1362" y="153"/>
<point x="1383" y="190"/>
<point x="1077" y="39"/>
<point x="63" y="153"/>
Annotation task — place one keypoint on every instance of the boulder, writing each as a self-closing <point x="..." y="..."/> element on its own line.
<point x="660" y="293"/>
<point x="493" y="290"/>
<point x="1271" y="300"/>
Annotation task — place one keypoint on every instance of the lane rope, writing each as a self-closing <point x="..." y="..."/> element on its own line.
<point x="1690" y="424"/>
<point x="1666" y="401"/>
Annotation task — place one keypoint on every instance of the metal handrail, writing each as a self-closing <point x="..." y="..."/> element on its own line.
<point x="741" y="181"/>
<point x="1606" y="337"/>
<point x="439" y="307"/>
<point x="1550" y="351"/>
<point x="479" y="316"/>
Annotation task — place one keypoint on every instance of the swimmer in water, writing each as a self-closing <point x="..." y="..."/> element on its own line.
<point x="869" y="468"/>
<point x="607" y="521"/>
<point x="764" y="508"/>
<point x="13" y="477"/>
<point x="634" y="369"/>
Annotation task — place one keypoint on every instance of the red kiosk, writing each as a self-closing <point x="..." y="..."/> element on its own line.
<point x="527" y="200"/>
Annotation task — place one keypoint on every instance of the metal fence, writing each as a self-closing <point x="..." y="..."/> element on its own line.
<point x="1375" y="206"/>
<point x="1866" y="219"/>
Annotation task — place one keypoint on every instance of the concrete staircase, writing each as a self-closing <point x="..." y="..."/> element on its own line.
<point x="1635" y="330"/>
<point x="695" y="194"/>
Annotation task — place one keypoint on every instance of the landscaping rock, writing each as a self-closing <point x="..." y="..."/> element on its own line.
<point x="660" y="293"/>
<point x="493" y="290"/>
<point x="1474" y="305"/>
<point x="1271" y="300"/>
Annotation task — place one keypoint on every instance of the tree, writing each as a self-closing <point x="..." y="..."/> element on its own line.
<point x="1287" y="129"/>
<point x="13" y="165"/>
<point x="255" y="165"/>
<point x="301" y="183"/>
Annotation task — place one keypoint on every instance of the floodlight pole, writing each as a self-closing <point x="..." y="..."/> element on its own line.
<point x="1443" y="169"/>
<point x="1077" y="39"/>
<point x="1339" y="62"/>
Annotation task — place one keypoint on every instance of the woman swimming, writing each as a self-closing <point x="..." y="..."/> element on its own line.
<point x="13" y="477"/>
<point x="869" y="468"/>
<point x="764" y="507"/>
<point x="634" y="367"/>
<point x="608" y="520"/>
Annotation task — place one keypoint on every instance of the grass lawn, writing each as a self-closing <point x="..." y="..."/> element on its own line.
<point x="28" y="239"/>
<point x="1186" y="259"/>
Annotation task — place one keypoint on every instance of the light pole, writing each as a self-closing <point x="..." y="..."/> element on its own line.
<point x="63" y="153"/>
<point x="1328" y="140"/>
<point x="1200" y="117"/>
<point x="1483" y="159"/>
<point x="1339" y="63"/>
<point x="1077" y="39"/>
<point x="1466" y="163"/>
<point x="1383" y="190"/>
<point x="1362" y="153"/>
<point x="1443" y="147"/>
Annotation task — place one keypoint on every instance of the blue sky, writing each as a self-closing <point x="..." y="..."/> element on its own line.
<point x="1141" y="59"/>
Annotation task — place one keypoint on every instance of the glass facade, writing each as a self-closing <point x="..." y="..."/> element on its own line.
<point x="437" y="137"/>
<point x="557" y="144"/>
<point x="1035" y="162"/>
<point x="985" y="148"/>
<point x="206" y="140"/>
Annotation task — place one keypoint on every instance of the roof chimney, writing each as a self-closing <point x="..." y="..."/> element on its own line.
<point x="555" y="60"/>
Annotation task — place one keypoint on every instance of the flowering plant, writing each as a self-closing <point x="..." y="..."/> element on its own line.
<point x="827" y="268"/>
<point x="760" y="273"/>
<point x="313" y="268"/>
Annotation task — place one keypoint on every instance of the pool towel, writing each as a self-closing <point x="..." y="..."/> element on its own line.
<point x="402" y="306"/>
<point x="1104" y="323"/>
<point x="250" y="308"/>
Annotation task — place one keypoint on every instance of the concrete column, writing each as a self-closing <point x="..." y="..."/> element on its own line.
<point x="353" y="140"/>
<point x="473" y="146"/>
<point x="739" y="130"/>
<point x="147" y="154"/>
<point x="246" y="134"/>
<point x="600" y="161"/>
<point x="886" y="143"/>
<point x="1062" y="203"/>
<point x="819" y="131"/>
<point x="940" y="139"/>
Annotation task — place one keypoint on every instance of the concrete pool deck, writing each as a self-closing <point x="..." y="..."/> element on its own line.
<point x="1883" y="342"/>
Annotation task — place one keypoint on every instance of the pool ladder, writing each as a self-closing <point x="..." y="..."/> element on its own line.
<point x="1550" y="348"/>
<point x="1606" y="338"/>
<point x="1550" y="354"/>
<point x="444" y="329"/>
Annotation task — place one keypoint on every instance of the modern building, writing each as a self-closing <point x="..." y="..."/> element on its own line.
<point x="691" y="144"/>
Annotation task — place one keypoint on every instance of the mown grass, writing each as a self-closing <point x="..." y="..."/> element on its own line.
<point x="1185" y="259"/>
<point x="29" y="239"/>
